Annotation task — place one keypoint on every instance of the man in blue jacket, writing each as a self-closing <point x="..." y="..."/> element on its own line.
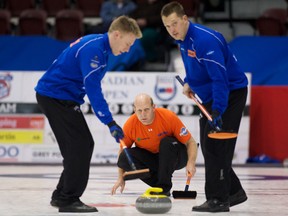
<point x="213" y="73"/>
<point x="76" y="72"/>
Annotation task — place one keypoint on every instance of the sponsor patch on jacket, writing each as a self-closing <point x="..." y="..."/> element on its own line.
<point x="183" y="131"/>
<point x="191" y="53"/>
<point x="94" y="62"/>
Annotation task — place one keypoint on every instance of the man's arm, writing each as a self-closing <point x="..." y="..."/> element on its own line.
<point x="192" y="150"/>
<point x="120" y="181"/>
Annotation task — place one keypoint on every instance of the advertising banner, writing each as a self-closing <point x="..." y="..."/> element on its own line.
<point x="25" y="134"/>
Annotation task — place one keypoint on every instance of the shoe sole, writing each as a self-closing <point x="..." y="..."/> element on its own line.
<point x="54" y="205"/>
<point x="77" y="213"/>
<point x="238" y="202"/>
<point x="226" y="210"/>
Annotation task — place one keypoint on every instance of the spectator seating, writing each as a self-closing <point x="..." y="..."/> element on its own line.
<point x="32" y="22"/>
<point x="53" y="6"/>
<point x="191" y="7"/>
<point x="272" y="22"/>
<point x="69" y="24"/>
<point x="17" y="6"/>
<point x="90" y="8"/>
<point x="5" y="26"/>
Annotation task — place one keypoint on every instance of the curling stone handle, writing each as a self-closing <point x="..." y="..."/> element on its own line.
<point x="154" y="190"/>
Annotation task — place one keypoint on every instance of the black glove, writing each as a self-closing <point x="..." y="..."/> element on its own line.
<point x="116" y="131"/>
<point x="216" y="122"/>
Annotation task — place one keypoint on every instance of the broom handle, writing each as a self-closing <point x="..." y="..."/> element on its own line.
<point x="127" y="155"/>
<point x="192" y="95"/>
<point x="188" y="182"/>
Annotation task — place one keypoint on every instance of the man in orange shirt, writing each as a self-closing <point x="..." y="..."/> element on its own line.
<point x="162" y="143"/>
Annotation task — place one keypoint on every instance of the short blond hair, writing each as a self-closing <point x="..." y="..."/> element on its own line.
<point x="127" y="25"/>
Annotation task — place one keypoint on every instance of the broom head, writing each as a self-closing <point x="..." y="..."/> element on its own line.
<point x="184" y="194"/>
<point x="222" y="135"/>
<point x="136" y="174"/>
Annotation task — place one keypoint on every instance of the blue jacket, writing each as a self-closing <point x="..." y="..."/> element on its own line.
<point x="78" y="71"/>
<point x="212" y="70"/>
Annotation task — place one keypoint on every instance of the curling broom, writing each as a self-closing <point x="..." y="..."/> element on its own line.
<point x="214" y="134"/>
<point x="185" y="194"/>
<point x="134" y="174"/>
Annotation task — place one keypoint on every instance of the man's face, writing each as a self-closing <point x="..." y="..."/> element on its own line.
<point x="144" y="111"/>
<point x="122" y="42"/>
<point x="176" y="26"/>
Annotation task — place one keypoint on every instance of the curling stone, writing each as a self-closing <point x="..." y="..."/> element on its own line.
<point x="153" y="203"/>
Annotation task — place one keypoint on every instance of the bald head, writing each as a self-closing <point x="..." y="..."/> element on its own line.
<point x="144" y="108"/>
<point x="143" y="99"/>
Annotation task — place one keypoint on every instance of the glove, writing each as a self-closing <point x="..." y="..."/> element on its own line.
<point x="216" y="122"/>
<point x="116" y="131"/>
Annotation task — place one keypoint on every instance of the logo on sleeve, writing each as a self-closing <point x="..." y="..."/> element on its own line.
<point x="94" y="62"/>
<point x="183" y="131"/>
<point x="210" y="52"/>
<point x="100" y="114"/>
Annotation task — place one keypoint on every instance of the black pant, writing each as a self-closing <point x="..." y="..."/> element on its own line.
<point x="172" y="156"/>
<point x="220" y="179"/>
<point x="75" y="142"/>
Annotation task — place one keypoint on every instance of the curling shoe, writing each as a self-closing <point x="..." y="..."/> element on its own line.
<point x="57" y="203"/>
<point x="238" y="198"/>
<point x="54" y="203"/>
<point x="77" y="207"/>
<point x="212" y="205"/>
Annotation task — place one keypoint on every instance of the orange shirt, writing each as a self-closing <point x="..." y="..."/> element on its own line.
<point x="166" y="123"/>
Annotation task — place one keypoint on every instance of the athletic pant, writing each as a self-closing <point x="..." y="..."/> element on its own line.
<point x="172" y="156"/>
<point x="75" y="142"/>
<point x="220" y="179"/>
